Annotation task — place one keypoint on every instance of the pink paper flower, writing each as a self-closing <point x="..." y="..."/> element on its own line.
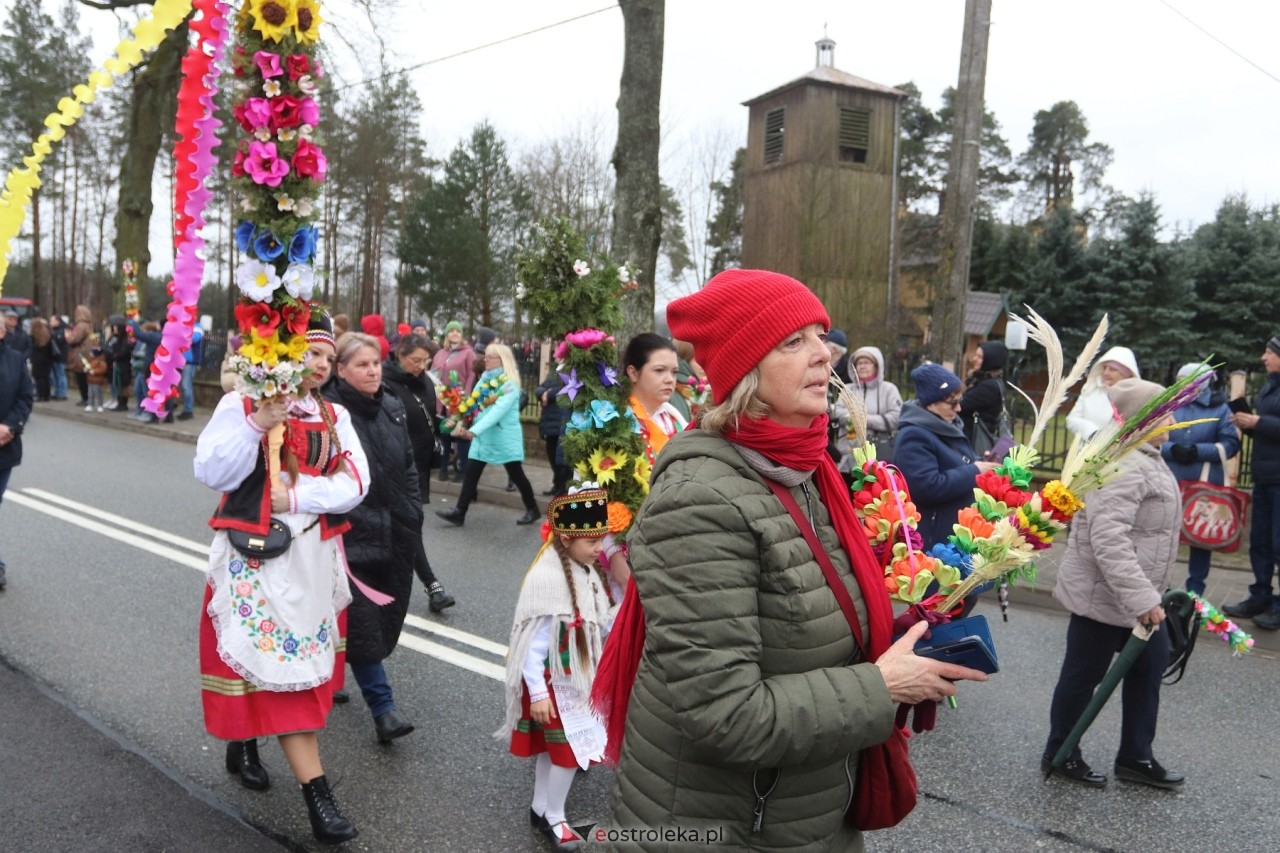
<point x="254" y="114"/>
<point x="586" y="338"/>
<point x="264" y="165"/>
<point x="309" y="161"/>
<point x="309" y="111"/>
<point x="268" y="64"/>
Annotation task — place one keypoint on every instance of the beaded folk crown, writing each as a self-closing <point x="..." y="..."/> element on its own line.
<point x="581" y="515"/>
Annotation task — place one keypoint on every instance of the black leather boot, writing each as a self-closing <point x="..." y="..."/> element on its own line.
<point x="531" y="514"/>
<point x="453" y="516"/>
<point x="327" y="823"/>
<point x="242" y="758"/>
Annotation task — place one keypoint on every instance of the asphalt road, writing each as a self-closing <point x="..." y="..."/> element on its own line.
<point x="102" y="746"/>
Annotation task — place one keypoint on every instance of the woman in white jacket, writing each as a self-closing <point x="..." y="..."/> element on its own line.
<point x="1093" y="410"/>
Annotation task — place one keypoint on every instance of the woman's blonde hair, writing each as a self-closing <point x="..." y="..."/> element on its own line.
<point x="351" y="343"/>
<point x="508" y="360"/>
<point x="742" y="401"/>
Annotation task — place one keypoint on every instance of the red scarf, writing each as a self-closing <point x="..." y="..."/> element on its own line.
<point x="800" y="450"/>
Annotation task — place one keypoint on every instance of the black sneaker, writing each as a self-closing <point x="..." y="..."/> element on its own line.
<point x="1269" y="621"/>
<point x="186" y="416"/>
<point x="1247" y="609"/>
<point x="1073" y="770"/>
<point x="439" y="598"/>
<point x="1148" y="773"/>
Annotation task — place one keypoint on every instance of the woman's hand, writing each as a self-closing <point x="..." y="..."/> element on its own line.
<point x="620" y="567"/>
<point x="542" y="712"/>
<point x="913" y="679"/>
<point x="1244" y="420"/>
<point x="984" y="467"/>
<point x="1152" y="617"/>
<point x="462" y="432"/>
<point x="279" y="498"/>
<point x="269" y="413"/>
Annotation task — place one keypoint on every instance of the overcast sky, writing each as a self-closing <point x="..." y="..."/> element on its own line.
<point x="1188" y="119"/>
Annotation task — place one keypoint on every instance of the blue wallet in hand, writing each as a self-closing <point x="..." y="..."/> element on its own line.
<point x="966" y="642"/>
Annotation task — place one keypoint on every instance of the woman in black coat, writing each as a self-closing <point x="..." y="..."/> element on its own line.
<point x="405" y="376"/>
<point x="984" y="393"/>
<point x="385" y="539"/>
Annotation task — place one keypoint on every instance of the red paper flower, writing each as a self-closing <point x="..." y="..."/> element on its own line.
<point x="309" y="161"/>
<point x="285" y="112"/>
<point x="297" y="64"/>
<point x="1001" y="489"/>
<point x="257" y="317"/>
<point x="296" y="318"/>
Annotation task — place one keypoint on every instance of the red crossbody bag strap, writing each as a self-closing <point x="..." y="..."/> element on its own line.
<point x="820" y="554"/>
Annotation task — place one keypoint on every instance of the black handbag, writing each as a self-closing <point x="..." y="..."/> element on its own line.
<point x="263" y="546"/>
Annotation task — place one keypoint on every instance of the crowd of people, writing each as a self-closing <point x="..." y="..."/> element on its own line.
<point x="741" y="632"/>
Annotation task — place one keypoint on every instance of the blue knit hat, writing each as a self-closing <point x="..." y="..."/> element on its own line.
<point x="934" y="382"/>
<point x="839" y="338"/>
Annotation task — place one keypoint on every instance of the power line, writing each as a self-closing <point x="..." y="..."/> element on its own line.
<point x="479" y="47"/>
<point x="1180" y="14"/>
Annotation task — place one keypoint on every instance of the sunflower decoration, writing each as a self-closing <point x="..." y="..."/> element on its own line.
<point x="277" y="169"/>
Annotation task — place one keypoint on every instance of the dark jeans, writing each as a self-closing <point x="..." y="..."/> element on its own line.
<point x="4" y="484"/>
<point x="463" y="446"/>
<point x="560" y="473"/>
<point x="1264" y="541"/>
<point x="374" y="687"/>
<point x="82" y="385"/>
<point x="422" y="566"/>
<point x="1090" y="648"/>
<point x="1197" y="569"/>
<point x="515" y="473"/>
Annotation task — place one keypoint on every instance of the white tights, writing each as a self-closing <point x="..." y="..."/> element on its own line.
<point x="551" y="788"/>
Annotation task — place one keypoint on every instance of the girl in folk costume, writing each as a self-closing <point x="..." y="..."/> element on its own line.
<point x="269" y="630"/>
<point x="563" y="615"/>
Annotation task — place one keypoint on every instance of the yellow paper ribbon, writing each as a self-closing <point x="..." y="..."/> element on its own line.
<point x="23" y="181"/>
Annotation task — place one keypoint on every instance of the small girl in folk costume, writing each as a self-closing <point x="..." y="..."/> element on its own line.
<point x="269" y="626"/>
<point x="563" y="615"/>
<point x="95" y="371"/>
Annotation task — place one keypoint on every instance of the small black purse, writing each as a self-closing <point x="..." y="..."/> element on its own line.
<point x="263" y="546"/>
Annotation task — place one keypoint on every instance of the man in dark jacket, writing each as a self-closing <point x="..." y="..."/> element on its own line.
<point x="1264" y="527"/>
<point x="16" y="398"/>
<point x="551" y="427"/>
<point x="19" y="340"/>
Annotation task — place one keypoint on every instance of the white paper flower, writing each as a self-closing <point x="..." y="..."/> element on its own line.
<point x="284" y="202"/>
<point x="521" y="293"/>
<point x="299" y="280"/>
<point x="624" y="274"/>
<point x="303" y="207"/>
<point x="262" y="134"/>
<point x="305" y="131"/>
<point x="271" y="88"/>
<point x="286" y="135"/>
<point x="247" y="204"/>
<point x="257" y="280"/>
<point x="306" y="85"/>
<point x="581" y="268"/>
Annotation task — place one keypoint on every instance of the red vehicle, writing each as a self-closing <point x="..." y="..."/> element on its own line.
<point x="23" y="307"/>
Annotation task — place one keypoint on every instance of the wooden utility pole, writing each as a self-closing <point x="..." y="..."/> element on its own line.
<point x="959" y="201"/>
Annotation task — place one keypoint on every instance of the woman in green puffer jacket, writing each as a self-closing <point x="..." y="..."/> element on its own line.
<point x="752" y="700"/>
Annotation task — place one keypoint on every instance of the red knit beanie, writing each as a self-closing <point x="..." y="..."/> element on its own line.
<point x="738" y="318"/>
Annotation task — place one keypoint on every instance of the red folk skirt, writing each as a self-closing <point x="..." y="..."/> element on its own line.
<point x="235" y="709"/>
<point x="530" y="738"/>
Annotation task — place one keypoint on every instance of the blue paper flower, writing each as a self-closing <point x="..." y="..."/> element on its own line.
<point x="602" y="411"/>
<point x="631" y="419"/>
<point x="579" y="422"/>
<point x="244" y="235"/>
<point x="951" y="555"/>
<point x="572" y="385"/>
<point x="302" y="247"/>
<point x="608" y="375"/>
<point x="266" y="246"/>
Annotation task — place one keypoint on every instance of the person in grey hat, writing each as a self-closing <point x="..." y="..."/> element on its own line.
<point x="19" y="340"/>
